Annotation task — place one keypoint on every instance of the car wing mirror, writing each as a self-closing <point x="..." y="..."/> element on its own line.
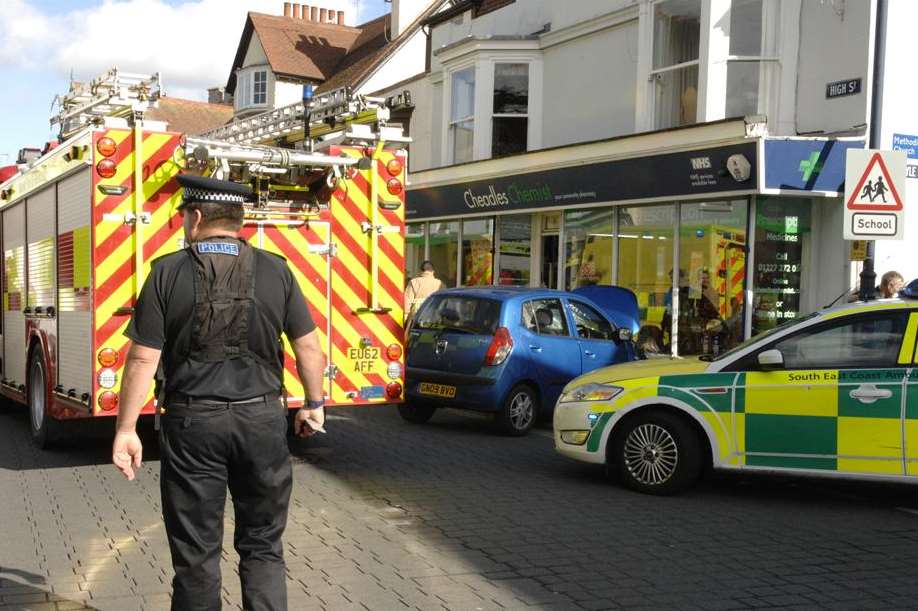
<point x="624" y="335"/>
<point x="771" y="359"/>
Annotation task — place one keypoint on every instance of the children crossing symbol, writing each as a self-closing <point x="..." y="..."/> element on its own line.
<point x="875" y="190"/>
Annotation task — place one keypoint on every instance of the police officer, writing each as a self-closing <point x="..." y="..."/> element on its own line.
<point x="215" y="312"/>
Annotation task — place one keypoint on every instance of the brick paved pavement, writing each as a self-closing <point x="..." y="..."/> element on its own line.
<point x="391" y="516"/>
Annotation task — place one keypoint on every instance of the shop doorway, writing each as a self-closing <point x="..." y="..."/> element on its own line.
<point x="550" y="261"/>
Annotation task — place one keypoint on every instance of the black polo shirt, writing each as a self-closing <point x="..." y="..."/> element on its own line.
<point x="163" y="317"/>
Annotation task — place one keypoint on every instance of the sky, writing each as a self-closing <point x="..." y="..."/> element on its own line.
<point x="192" y="44"/>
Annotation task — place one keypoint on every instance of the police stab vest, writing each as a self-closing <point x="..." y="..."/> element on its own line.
<point x="224" y="298"/>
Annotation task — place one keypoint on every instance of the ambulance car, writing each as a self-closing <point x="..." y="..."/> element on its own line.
<point x="834" y="393"/>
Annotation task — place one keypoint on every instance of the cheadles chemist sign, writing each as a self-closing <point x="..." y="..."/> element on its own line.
<point x="674" y="174"/>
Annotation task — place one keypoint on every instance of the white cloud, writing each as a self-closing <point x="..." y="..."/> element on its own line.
<point x="192" y="44"/>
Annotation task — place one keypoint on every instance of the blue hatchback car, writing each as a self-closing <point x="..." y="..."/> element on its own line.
<point x="511" y="350"/>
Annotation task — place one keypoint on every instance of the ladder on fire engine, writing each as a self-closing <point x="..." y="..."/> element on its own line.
<point x="339" y="114"/>
<point x="114" y="94"/>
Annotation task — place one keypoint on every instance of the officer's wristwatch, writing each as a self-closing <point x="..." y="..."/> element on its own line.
<point x="310" y="404"/>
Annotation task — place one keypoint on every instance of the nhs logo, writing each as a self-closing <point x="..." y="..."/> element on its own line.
<point x="701" y="163"/>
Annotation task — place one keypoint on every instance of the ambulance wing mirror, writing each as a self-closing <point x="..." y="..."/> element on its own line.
<point x="771" y="359"/>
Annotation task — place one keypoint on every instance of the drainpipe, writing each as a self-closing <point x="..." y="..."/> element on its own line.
<point x="868" y="275"/>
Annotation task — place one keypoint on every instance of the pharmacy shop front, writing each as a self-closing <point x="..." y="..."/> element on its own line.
<point x="714" y="252"/>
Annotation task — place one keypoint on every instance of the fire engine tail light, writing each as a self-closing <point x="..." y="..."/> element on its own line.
<point x="108" y="401"/>
<point x="108" y="357"/>
<point x="394" y="167"/>
<point x="500" y="347"/>
<point x="106" y="146"/>
<point x="393" y="390"/>
<point x="106" y="168"/>
<point x="394" y="352"/>
<point x="394" y="185"/>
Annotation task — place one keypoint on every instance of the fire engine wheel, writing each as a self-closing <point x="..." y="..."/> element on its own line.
<point x="519" y="412"/>
<point x="43" y="426"/>
<point x="414" y="412"/>
<point x="657" y="453"/>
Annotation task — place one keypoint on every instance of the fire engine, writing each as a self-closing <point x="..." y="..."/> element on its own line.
<point x="81" y="224"/>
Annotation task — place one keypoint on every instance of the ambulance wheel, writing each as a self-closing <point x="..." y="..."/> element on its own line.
<point x="657" y="452"/>
<point x="42" y="425"/>
<point x="415" y="413"/>
<point x="519" y="412"/>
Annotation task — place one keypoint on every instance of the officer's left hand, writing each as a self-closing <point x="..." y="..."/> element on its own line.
<point x="308" y="422"/>
<point x="127" y="452"/>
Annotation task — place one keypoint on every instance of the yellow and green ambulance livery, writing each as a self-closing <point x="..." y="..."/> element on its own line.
<point x="835" y="393"/>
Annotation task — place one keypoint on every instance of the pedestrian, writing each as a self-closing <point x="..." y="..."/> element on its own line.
<point x="420" y="288"/>
<point x="214" y="312"/>
<point x="890" y="284"/>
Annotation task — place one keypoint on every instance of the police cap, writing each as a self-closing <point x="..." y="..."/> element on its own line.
<point x="200" y="189"/>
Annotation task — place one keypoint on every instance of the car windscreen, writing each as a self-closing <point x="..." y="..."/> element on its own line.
<point x="459" y="313"/>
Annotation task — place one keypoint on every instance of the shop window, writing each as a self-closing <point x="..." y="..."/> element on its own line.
<point x="510" y="119"/>
<point x="752" y="67"/>
<point x="443" y="249"/>
<point x="782" y="236"/>
<point x="478" y="252"/>
<point x="515" y="248"/>
<point x="712" y="276"/>
<point x="414" y="249"/>
<point x="645" y="265"/>
<point x="462" y="115"/>
<point x="676" y="44"/>
<point x="588" y="247"/>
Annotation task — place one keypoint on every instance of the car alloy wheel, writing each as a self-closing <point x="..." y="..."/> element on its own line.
<point x="657" y="451"/>
<point x="522" y="410"/>
<point x="651" y="454"/>
<point x="519" y="411"/>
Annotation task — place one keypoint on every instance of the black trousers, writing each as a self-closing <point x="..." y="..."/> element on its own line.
<point x="205" y="448"/>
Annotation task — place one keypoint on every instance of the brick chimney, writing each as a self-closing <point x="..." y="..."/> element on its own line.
<point x="323" y="15"/>
<point x="287" y="10"/>
<point x="340" y="17"/>
<point x="314" y="13"/>
<point x="296" y="11"/>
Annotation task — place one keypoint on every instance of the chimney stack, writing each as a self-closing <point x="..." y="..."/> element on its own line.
<point x="323" y="15"/>
<point x="287" y="9"/>
<point x="314" y="14"/>
<point x="340" y="17"/>
<point x="296" y="11"/>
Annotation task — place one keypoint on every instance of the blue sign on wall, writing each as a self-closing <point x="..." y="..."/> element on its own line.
<point x="907" y="143"/>
<point x="807" y="165"/>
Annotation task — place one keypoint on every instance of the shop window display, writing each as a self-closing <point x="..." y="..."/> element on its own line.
<point x="645" y="265"/>
<point x="515" y="249"/>
<point x="588" y="247"/>
<point x="443" y="244"/>
<point x="478" y="252"/>
<point x="782" y="234"/>
<point x="712" y="270"/>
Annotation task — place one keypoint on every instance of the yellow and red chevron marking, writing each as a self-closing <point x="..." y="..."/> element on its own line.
<point x="310" y="271"/>
<point x="114" y="242"/>
<point x="360" y="337"/>
<point x="737" y="275"/>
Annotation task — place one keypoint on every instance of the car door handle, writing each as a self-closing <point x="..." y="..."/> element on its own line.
<point x="589" y="354"/>
<point x="868" y="393"/>
<point x="535" y="347"/>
